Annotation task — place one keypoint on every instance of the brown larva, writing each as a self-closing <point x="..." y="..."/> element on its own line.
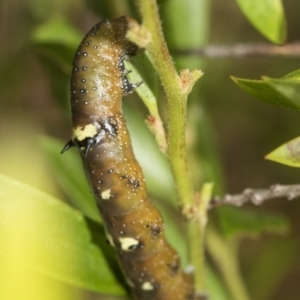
<point x="134" y="226"/>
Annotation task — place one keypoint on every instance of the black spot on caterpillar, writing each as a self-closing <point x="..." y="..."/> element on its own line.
<point x="134" y="226"/>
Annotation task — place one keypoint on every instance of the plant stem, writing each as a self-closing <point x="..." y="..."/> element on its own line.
<point x="176" y="101"/>
<point x="196" y="254"/>
<point x="196" y="229"/>
<point x="176" y="89"/>
<point x="224" y="254"/>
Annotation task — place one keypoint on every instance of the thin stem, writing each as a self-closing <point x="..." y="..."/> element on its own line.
<point x="196" y="254"/>
<point x="258" y="196"/>
<point x="176" y="89"/>
<point x="224" y="254"/>
<point x="196" y="230"/>
<point x="176" y="101"/>
<point x="243" y="50"/>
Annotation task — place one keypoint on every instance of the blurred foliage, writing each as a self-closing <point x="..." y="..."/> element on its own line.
<point x="236" y="222"/>
<point x="267" y="16"/>
<point x="224" y="124"/>
<point x="264" y="274"/>
<point x="287" y="154"/>
<point x="60" y="239"/>
<point x="282" y="92"/>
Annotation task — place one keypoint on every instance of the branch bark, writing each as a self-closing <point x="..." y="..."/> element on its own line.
<point x="258" y="196"/>
<point x="243" y="50"/>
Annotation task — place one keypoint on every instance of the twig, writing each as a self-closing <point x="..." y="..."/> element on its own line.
<point x="243" y="50"/>
<point x="176" y="87"/>
<point x="258" y="196"/>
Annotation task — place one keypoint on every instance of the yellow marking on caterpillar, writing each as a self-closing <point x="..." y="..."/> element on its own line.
<point x="128" y="243"/>
<point x="105" y="195"/>
<point x="147" y="286"/>
<point x="88" y="131"/>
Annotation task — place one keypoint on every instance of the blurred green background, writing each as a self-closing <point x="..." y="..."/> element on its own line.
<point x="35" y="64"/>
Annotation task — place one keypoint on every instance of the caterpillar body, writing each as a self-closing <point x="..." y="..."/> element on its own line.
<point x="134" y="226"/>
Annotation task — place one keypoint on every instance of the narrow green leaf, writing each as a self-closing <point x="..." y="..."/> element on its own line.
<point x="240" y="221"/>
<point x="267" y="17"/>
<point x="293" y="75"/>
<point x="110" y="8"/>
<point x="54" y="43"/>
<point x="287" y="154"/>
<point x="288" y="89"/>
<point x="142" y="71"/>
<point x="57" y="63"/>
<point x="59" y="238"/>
<point x="57" y="31"/>
<point x="148" y="91"/>
<point x="282" y="92"/>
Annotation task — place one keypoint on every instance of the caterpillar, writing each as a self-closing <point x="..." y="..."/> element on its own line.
<point x="134" y="227"/>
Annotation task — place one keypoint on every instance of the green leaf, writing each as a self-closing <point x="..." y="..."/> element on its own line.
<point x="142" y="71"/>
<point x="56" y="61"/>
<point x="245" y="222"/>
<point x="282" y="92"/>
<point x="293" y="75"/>
<point x="267" y="17"/>
<point x="56" y="41"/>
<point x="287" y="154"/>
<point x="54" y="44"/>
<point x="287" y="89"/>
<point x="111" y="8"/>
<point x="56" y="238"/>
<point x="57" y="31"/>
